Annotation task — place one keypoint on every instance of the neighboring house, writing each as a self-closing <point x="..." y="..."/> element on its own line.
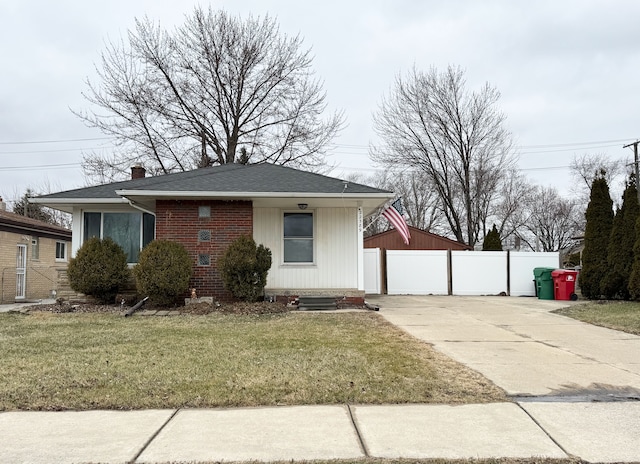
<point x="420" y="240"/>
<point x="32" y="255"/>
<point x="311" y="223"/>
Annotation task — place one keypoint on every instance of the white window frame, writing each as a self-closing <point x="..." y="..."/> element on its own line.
<point x="63" y="259"/>
<point x="35" y="248"/>
<point x="313" y="239"/>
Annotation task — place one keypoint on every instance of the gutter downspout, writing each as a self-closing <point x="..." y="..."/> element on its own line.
<point x="139" y="208"/>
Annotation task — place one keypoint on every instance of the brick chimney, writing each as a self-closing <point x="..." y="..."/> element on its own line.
<point x="138" y="172"/>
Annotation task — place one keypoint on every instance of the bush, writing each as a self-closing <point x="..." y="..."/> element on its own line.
<point x="244" y="267"/>
<point x="492" y="240"/>
<point x="163" y="272"/>
<point x="99" y="269"/>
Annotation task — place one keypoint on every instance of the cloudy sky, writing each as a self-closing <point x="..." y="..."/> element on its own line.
<point x="568" y="72"/>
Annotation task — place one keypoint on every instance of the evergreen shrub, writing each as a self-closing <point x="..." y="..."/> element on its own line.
<point x="163" y="272"/>
<point x="244" y="267"/>
<point x="492" y="241"/>
<point x="99" y="269"/>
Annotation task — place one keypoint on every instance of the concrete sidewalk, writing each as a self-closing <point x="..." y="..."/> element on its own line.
<point x="593" y="432"/>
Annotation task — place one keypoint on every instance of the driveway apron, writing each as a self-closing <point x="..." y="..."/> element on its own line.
<point x="521" y="346"/>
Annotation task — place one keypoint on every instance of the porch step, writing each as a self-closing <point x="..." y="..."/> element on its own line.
<point x="308" y="303"/>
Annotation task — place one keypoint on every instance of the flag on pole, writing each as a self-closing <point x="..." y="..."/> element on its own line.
<point x="393" y="214"/>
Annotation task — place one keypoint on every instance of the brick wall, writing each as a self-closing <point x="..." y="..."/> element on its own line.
<point x="42" y="273"/>
<point x="178" y="220"/>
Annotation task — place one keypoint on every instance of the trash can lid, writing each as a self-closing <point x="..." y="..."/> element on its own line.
<point x="540" y="271"/>
<point x="567" y="272"/>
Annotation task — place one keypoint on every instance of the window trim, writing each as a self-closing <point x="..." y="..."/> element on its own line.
<point x="313" y="239"/>
<point x="35" y="248"/>
<point x="101" y="236"/>
<point x="64" y="251"/>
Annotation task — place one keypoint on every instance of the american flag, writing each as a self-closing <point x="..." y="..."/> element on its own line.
<point x="393" y="213"/>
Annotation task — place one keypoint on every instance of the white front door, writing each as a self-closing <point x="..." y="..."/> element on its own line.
<point x="21" y="271"/>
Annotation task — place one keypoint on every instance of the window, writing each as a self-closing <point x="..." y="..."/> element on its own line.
<point x="204" y="260"/>
<point x="35" y="247"/>
<point x="132" y="231"/>
<point x="204" y="211"/>
<point x="61" y="251"/>
<point x="298" y="238"/>
<point x="204" y="235"/>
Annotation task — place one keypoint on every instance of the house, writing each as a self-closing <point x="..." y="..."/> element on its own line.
<point x="420" y="240"/>
<point x="32" y="255"/>
<point x="311" y="223"/>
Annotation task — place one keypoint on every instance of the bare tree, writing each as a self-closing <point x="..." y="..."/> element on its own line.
<point x="216" y="90"/>
<point x="420" y="203"/>
<point x="585" y="168"/>
<point x="510" y="211"/>
<point x="457" y="138"/>
<point x="553" y="221"/>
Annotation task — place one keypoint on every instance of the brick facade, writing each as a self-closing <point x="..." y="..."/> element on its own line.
<point x="41" y="271"/>
<point x="179" y="221"/>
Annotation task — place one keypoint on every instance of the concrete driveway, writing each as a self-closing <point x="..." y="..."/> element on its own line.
<point x="521" y="346"/>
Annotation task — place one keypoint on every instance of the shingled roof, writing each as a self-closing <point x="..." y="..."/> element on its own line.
<point x="15" y="223"/>
<point x="228" y="178"/>
<point x="229" y="181"/>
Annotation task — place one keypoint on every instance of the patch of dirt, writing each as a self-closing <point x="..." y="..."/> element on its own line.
<point x="193" y="309"/>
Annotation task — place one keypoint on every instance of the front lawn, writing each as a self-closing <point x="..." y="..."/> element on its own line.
<point x="105" y="361"/>
<point x="617" y="315"/>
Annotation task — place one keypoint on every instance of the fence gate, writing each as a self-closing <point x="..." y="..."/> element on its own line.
<point x="21" y="271"/>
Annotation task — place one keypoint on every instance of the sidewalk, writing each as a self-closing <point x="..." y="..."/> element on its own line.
<point x="596" y="432"/>
<point x="5" y="308"/>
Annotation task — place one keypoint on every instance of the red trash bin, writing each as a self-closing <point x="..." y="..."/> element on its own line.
<point x="564" y="284"/>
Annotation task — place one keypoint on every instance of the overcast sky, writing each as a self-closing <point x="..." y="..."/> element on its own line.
<point x="568" y="72"/>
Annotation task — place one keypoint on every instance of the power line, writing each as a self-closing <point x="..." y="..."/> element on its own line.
<point x="47" y="151"/>
<point x="42" y="166"/>
<point x="54" y="141"/>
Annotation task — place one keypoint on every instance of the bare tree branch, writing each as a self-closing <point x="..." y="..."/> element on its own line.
<point x="455" y="137"/>
<point x="229" y="85"/>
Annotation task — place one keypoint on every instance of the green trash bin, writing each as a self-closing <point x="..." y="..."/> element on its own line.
<point x="544" y="282"/>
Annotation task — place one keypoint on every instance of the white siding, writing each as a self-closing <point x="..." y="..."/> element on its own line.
<point x="335" y="249"/>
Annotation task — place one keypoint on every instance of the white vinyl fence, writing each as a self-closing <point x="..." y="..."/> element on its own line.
<point x="443" y="272"/>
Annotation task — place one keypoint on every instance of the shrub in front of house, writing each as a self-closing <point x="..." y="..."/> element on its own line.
<point x="99" y="269"/>
<point x="163" y="272"/>
<point x="244" y="267"/>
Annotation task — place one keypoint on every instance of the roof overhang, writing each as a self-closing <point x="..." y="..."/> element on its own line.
<point x="146" y="199"/>
<point x="67" y="204"/>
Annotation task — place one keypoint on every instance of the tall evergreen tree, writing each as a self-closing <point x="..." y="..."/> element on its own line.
<point x="611" y="284"/>
<point x="597" y="233"/>
<point x="634" y="278"/>
<point x="621" y="244"/>
<point x="492" y="240"/>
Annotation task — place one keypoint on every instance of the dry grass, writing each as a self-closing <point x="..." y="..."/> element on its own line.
<point x="617" y="315"/>
<point x="104" y="361"/>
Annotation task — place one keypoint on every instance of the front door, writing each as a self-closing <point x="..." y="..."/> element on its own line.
<point x="21" y="272"/>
